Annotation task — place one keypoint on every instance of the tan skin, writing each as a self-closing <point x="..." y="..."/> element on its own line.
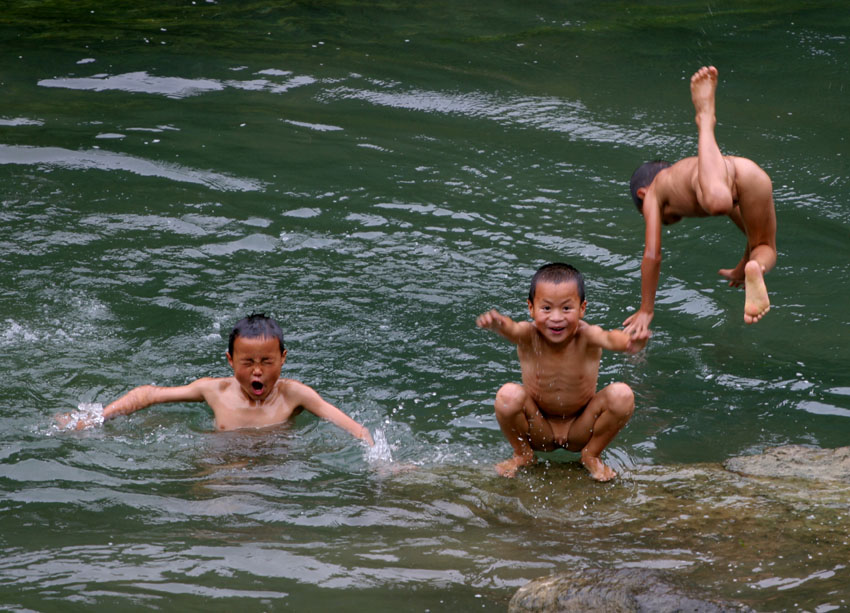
<point x="557" y="405"/>
<point x="709" y="184"/>
<point x="254" y="397"/>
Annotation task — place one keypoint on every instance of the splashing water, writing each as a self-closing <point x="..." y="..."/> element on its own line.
<point x="87" y="415"/>
<point x="381" y="452"/>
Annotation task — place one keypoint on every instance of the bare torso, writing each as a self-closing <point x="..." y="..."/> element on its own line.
<point x="234" y="410"/>
<point x="677" y="191"/>
<point x="560" y="379"/>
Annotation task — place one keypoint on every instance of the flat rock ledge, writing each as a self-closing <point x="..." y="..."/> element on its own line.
<point x="630" y="590"/>
<point x="795" y="462"/>
<point x="639" y="590"/>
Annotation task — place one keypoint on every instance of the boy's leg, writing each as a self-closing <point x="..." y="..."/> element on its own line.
<point x="523" y="425"/>
<point x="597" y="426"/>
<point x="755" y="197"/>
<point x="714" y="185"/>
<point x="715" y="177"/>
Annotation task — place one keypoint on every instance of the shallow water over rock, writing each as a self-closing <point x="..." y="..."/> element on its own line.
<point x="727" y="537"/>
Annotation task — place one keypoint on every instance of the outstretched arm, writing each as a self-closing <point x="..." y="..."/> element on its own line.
<point x="637" y="325"/>
<point x="503" y="325"/>
<point x="140" y="398"/>
<point x="146" y="395"/>
<point x="309" y="398"/>
<point x="614" y="340"/>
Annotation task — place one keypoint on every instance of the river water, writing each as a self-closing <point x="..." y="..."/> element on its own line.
<point x="375" y="175"/>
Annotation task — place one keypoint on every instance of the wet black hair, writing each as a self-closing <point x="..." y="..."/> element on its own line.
<point x="643" y="177"/>
<point x="557" y="273"/>
<point x="256" y="325"/>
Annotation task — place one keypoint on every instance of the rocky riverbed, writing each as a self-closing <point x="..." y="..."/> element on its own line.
<point x="764" y="532"/>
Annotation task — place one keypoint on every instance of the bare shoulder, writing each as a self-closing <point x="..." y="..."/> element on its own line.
<point x="675" y="183"/>
<point x="214" y="388"/>
<point x="590" y="333"/>
<point x="295" y="392"/>
<point x="525" y="329"/>
<point x="214" y="384"/>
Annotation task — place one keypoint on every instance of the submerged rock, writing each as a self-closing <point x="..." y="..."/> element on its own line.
<point x="795" y="461"/>
<point x="631" y="590"/>
<point x="759" y="528"/>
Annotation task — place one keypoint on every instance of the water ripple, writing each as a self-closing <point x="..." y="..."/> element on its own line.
<point x="106" y="160"/>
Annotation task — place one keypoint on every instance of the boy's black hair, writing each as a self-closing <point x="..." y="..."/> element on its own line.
<point x="643" y="177"/>
<point x="256" y="325"/>
<point x="557" y="273"/>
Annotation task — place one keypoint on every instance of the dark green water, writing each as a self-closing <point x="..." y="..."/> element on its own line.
<point x="376" y="174"/>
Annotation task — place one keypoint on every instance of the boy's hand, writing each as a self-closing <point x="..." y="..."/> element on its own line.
<point x="491" y="320"/>
<point x="637" y="326"/>
<point x="636" y="345"/>
<point x="86" y="416"/>
<point x="67" y="421"/>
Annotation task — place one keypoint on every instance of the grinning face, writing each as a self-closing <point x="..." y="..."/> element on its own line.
<point x="256" y="364"/>
<point x="557" y="310"/>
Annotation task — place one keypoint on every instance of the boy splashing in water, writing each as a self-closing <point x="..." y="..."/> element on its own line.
<point x="709" y="184"/>
<point x="557" y="404"/>
<point x="254" y="397"/>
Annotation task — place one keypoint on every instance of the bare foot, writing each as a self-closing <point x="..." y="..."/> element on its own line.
<point x="597" y="468"/>
<point x="703" y="87"/>
<point x="756" y="303"/>
<point x="735" y="276"/>
<point x="508" y="468"/>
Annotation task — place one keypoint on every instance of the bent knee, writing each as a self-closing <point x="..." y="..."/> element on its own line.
<point x="717" y="201"/>
<point x="621" y="400"/>
<point x="510" y="398"/>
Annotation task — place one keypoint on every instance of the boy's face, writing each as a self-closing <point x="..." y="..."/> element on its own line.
<point x="556" y="310"/>
<point x="256" y="364"/>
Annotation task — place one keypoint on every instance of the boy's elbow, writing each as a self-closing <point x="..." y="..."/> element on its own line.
<point x="652" y="257"/>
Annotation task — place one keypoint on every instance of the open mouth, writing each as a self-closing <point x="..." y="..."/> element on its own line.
<point x="257" y="386"/>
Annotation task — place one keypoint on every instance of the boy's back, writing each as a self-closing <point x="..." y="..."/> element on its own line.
<point x="708" y="184"/>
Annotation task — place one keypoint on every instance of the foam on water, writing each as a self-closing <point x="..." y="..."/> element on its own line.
<point x="381" y="452"/>
<point x="88" y="415"/>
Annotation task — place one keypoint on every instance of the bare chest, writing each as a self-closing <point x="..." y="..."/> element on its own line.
<point x="560" y="382"/>
<point x="233" y="411"/>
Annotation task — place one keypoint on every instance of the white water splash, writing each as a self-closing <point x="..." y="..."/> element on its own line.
<point x="87" y="415"/>
<point x="381" y="452"/>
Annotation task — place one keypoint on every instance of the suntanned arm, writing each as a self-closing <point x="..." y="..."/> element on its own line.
<point x="147" y="395"/>
<point x="504" y="326"/>
<point x="142" y="397"/>
<point x="613" y="340"/>
<point x="305" y="396"/>
<point x="637" y="325"/>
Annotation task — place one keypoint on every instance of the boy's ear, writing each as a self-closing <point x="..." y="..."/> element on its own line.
<point x="283" y="357"/>
<point x="229" y="358"/>
<point x="582" y="309"/>
<point x="641" y="192"/>
<point x="530" y="307"/>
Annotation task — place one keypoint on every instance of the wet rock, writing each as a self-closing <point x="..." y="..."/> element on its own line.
<point x="631" y="590"/>
<point x="795" y="461"/>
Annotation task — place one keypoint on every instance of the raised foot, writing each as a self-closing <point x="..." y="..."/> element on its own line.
<point x="597" y="468"/>
<point x="509" y="467"/>
<point x="756" y="303"/>
<point x="703" y="88"/>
